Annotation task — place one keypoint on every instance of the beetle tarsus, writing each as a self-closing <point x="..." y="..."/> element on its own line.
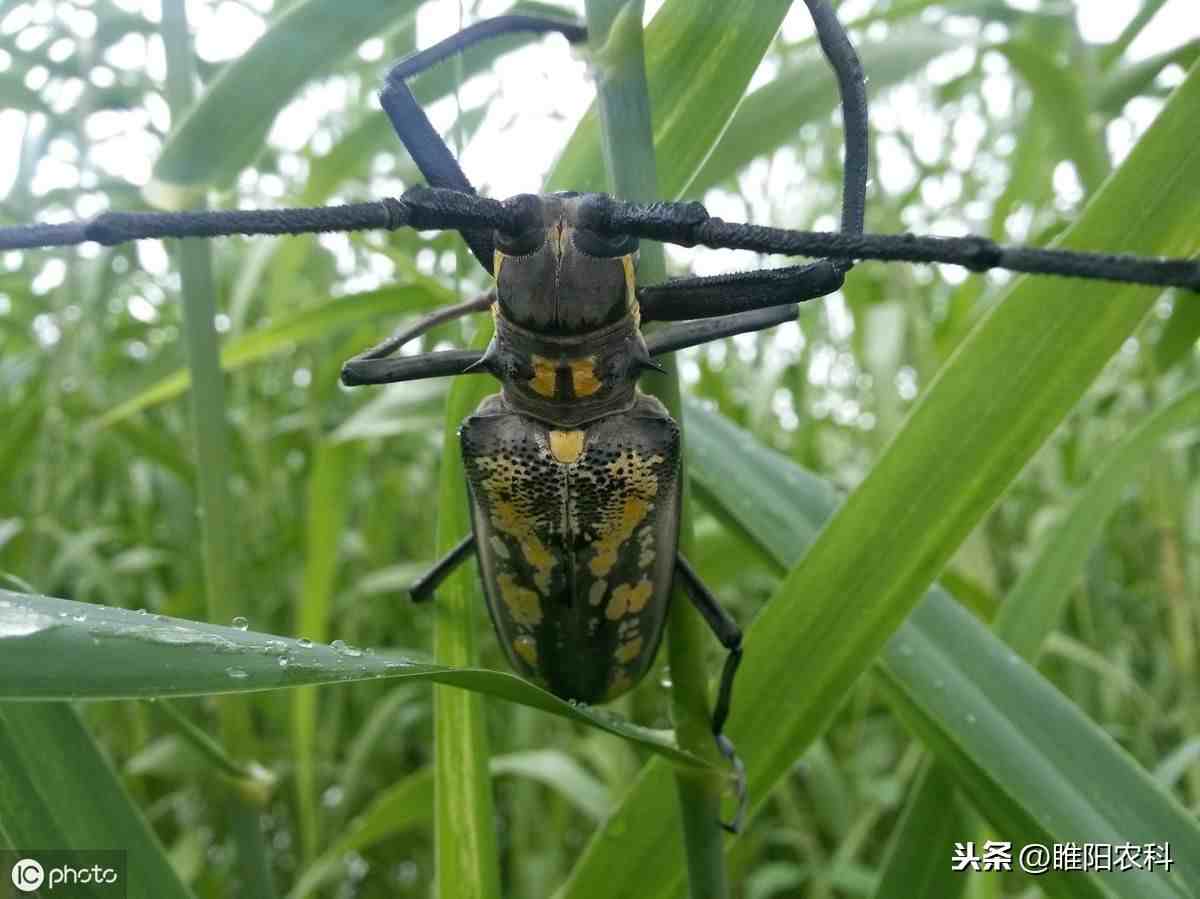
<point x="730" y="635"/>
<point x="725" y="745"/>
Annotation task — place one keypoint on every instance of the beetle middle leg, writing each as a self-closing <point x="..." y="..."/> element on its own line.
<point x="376" y="366"/>
<point x="730" y="635"/>
<point x="685" y="334"/>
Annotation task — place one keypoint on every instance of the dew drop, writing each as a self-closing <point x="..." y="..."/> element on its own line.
<point x="344" y="648"/>
<point x="241" y="623"/>
<point x="305" y="642"/>
<point x="236" y="673"/>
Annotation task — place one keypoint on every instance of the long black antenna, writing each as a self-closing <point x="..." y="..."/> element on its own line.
<point x="686" y="224"/>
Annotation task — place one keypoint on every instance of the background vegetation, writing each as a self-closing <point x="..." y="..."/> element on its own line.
<point x="320" y="504"/>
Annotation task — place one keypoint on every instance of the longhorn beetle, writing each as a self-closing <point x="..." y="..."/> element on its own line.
<point x="574" y="475"/>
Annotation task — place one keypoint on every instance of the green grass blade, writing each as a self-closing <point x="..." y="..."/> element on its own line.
<point x="1031" y="760"/>
<point x="1060" y="92"/>
<point x="804" y="92"/>
<point x="1036" y="602"/>
<point x="209" y="427"/>
<point x="328" y="495"/>
<point x="227" y="128"/>
<point x="408" y="805"/>
<point x="57" y="790"/>
<point x="700" y="55"/>
<point x="62" y="650"/>
<point x="991" y="407"/>
<point x="282" y="336"/>
<point x="919" y="866"/>
<point x="464" y="829"/>
<point x="615" y="33"/>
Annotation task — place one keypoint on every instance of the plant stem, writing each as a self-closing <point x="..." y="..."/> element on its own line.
<point x="217" y="523"/>
<point x="615" y="31"/>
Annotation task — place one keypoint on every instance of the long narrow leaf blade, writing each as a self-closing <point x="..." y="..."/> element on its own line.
<point x="989" y="410"/>
<point x="57" y="649"/>
<point x="57" y="791"/>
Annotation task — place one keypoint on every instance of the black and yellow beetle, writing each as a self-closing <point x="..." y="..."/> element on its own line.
<point x="574" y="474"/>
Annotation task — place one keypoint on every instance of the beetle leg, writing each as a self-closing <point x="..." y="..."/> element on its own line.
<point x="427" y="323"/>
<point x="684" y="334"/>
<point x="412" y="368"/>
<point x="424" y="586"/>
<point x="414" y="129"/>
<point x="688" y="298"/>
<point x="730" y="635"/>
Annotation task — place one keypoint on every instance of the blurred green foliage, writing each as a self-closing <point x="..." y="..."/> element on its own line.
<point x="987" y="118"/>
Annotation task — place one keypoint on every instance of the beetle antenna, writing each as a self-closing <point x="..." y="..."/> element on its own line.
<point x="417" y="133"/>
<point x="853" y="89"/>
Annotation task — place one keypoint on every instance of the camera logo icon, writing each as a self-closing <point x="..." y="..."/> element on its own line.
<point x="28" y="875"/>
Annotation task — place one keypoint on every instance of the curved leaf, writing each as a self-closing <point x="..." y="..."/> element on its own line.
<point x="282" y="336"/>
<point x="226" y="129"/>
<point x="83" y="805"/>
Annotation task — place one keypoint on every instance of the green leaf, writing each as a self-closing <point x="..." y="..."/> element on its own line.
<point x="1179" y="335"/>
<point x="328" y="492"/>
<point x="226" y="129"/>
<point x="1031" y="761"/>
<point x="57" y="790"/>
<point x="700" y="56"/>
<point x="1036" y="602"/>
<point x="408" y="805"/>
<point x="1061" y="98"/>
<point x="806" y="92"/>
<point x="990" y="408"/>
<point x="920" y="866"/>
<point x="304" y="326"/>
<point x="55" y="649"/>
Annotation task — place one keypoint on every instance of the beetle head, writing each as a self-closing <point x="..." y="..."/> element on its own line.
<point x="554" y="276"/>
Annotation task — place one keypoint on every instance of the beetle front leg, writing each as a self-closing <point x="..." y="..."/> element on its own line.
<point x="719" y="295"/>
<point x="730" y="635"/>
<point x="424" y="586"/>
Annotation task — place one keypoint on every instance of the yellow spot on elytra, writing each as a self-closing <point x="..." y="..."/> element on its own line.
<point x="499" y="547"/>
<point x="610" y="542"/>
<point x="566" y="446"/>
<point x="497" y="262"/>
<point x="542" y="381"/>
<point x="526" y="648"/>
<point x="641" y="488"/>
<point x="523" y="603"/>
<point x="628" y="600"/>
<point x="507" y="520"/>
<point x="583" y="376"/>
<point x="627" y="652"/>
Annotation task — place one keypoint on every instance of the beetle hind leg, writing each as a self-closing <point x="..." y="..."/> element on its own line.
<point x="424" y="586"/>
<point x="730" y="635"/>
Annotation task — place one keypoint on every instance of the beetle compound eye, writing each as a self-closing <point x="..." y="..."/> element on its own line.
<point x="529" y="231"/>
<point x="604" y="246"/>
